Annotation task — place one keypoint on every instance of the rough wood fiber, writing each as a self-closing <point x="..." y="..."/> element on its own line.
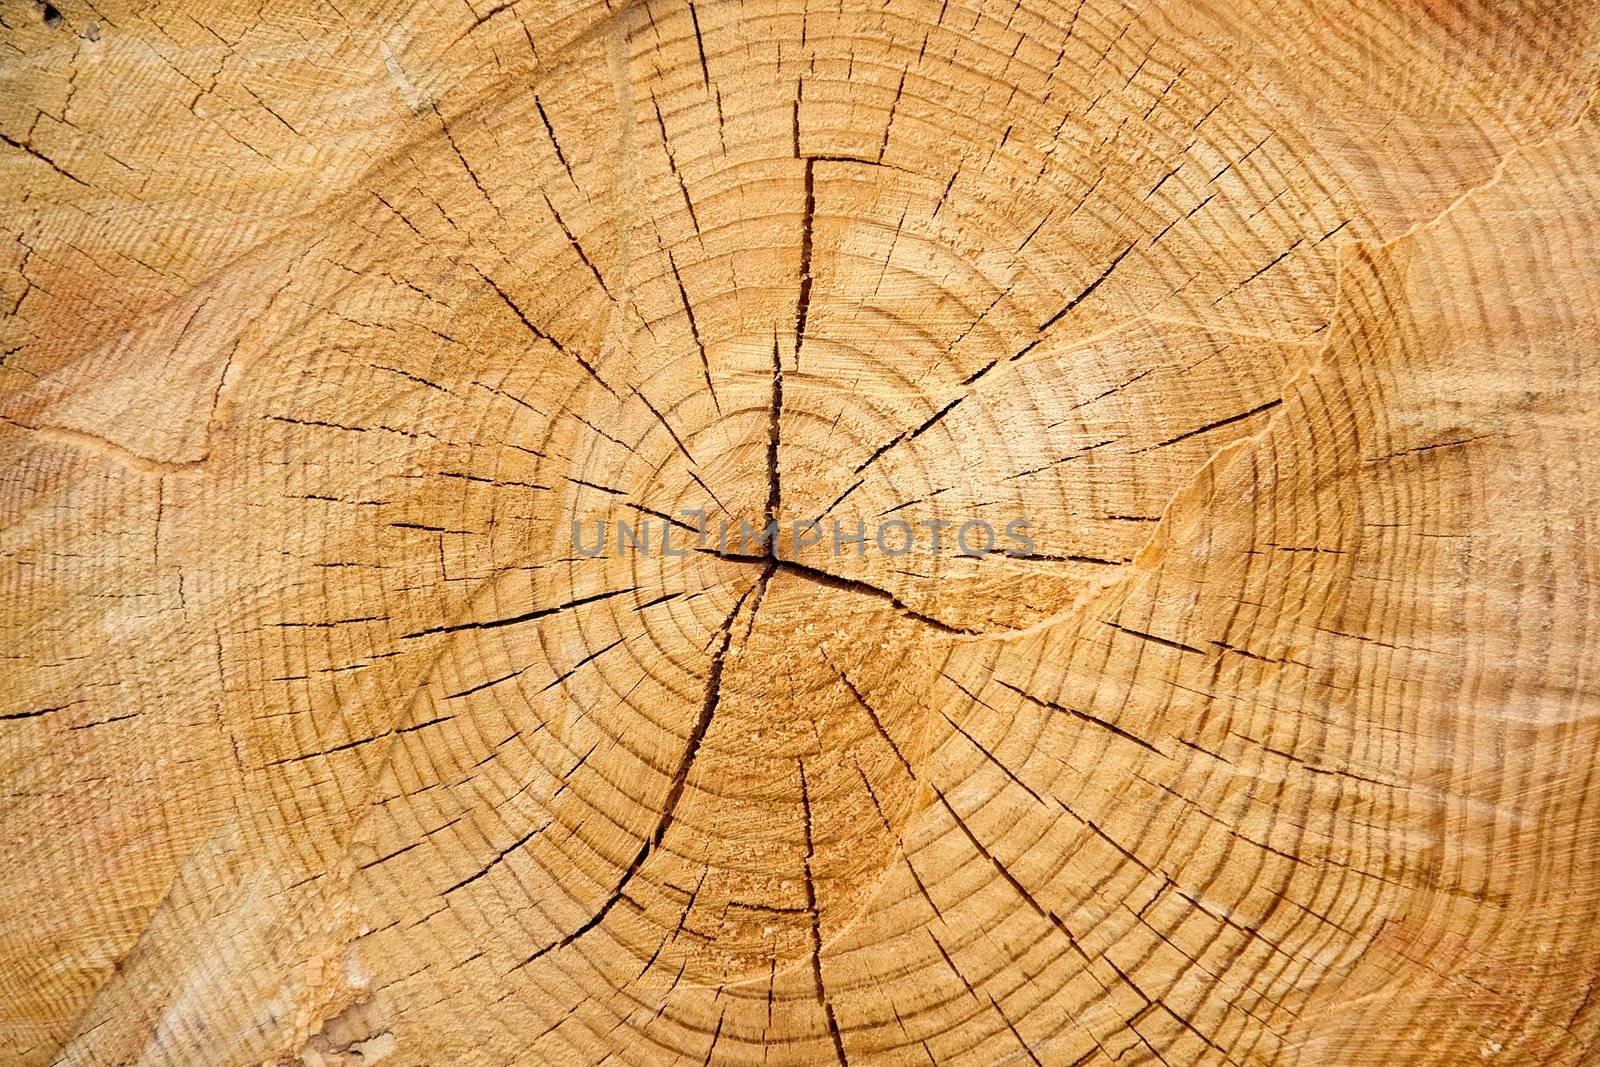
<point x="319" y="743"/>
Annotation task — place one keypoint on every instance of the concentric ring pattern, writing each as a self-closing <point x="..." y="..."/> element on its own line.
<point x="336" y="337"/>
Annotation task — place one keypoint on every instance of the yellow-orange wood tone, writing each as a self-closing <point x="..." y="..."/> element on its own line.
<point x="323" y="322"/>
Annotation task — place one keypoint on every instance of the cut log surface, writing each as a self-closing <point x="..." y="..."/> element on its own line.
<point x="324" y="740"/>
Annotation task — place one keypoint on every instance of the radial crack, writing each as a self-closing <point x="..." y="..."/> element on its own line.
<point x="775" y="414"/>
<point x="680" y="776"/>
<point x="541" y="335"/>
<point x="834" y="581"/>
<point x="802" y="307"/>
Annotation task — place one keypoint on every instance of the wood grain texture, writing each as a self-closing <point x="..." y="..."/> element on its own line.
<point x="320" y="742"/>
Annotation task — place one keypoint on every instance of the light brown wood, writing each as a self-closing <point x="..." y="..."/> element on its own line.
<point x="321" y="741"/>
